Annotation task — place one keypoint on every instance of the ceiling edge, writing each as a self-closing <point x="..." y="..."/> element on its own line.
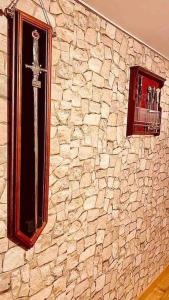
<point x="121" y="28"/>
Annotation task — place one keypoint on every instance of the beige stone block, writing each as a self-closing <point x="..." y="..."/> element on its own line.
<point x="108" y="54"/>
<point x="75" y="204"/>
<point x="105" y="109"/>
<point x="87" y="253"/>
<point x="25" y="273"/>
<point x="79" y="66"/>
<point x="100" y="236"/>
<point x="107" y="41"/>
<point x="82" y="44"/>
<point x="112" y="120"/>
<point x="4" y="195"/>
<point x="59" y="285"/>
<point x="64" y="134"/>
<point x="91" y="36"/>
<point x="104" y="161"/>
<point x="95" y="65"/>
<point x="3" y="134"/>
<point x="88" y="76"/>
<point x="66" y="6"/>
<point x="119" y="35"/>
<point x="76" y="116"/>
<point x="110" y="31"/>
<point x="142" y="164"/>
<point x="36" y="283"/>
<point x="107" y="252"/>
<point x="117" y="169"/>
<point x="80" y="54"/>
<point x="64" y="34"/>
<point x="3" y="25"/>
<point x="54" y="146"/>
<point x="4" y="282"/>
<point x="92" y="119"/>
<point x="105" y="71"/>
<point x="24" y="290"/>
<point x="72" y="261"/>
<point x="133" y="197"/>
<point x="100" y="282"/>
<point x="3" y="208"/>
<point x="3" y="245"/>
<point x="43" y="243"/>
<point x="64" y="70"/>
<point x="116" y="46"/>
<point x="85" y="180"/>
<point x="30" y="6"/>
<point x="3" y="84"/>
<point x="48" y="255"/>
<point x="94" y="107"/>
<point x="79" y="80"/>
<point x="86" y="91"/>
<point x="63" y="117"/>
<point x="100" y="199"/>
<point x="98" y="51"/>
<point x="3" y="43"/>
<point x="3" y="63"/>
<point x="98" y="80"/>
<point x="123" y="47"/>
<point x="55" y="56"/>
<point x="81" y="20"/>
<point x="131" y="235"/>
<point x="90" y="203"/>
<point x="111" y="79"/>
<point x="2" y="186"/>
<point x="43" y="294"/>
<point x="80" y="288"/>
<point x="92" y="214"/>
<point x="13" y="259"/>
<point x="3" y="110"/>
<point x="61" y="171"/>
<point x="55" y="8"/>
<point x="137" y="47"/>
<point x="6" y="296"/>
<point x="132" y="158"/>
<point x="85" y="152"/>
<point x="2" y="229"/>
<point x="94" y="21"/>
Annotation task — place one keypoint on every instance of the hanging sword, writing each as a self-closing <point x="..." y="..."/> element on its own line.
<point x="36" y="84"/>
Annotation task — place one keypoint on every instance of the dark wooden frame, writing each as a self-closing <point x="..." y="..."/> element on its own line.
<point x="14" y="133"/>
<point x="134" y="73"/>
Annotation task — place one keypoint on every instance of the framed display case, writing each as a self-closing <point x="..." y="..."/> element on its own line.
<point x="29" y="127"/>
<point x="144" y="110"/>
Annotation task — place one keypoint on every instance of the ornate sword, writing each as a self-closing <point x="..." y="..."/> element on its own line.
<point x="36" y="84"/>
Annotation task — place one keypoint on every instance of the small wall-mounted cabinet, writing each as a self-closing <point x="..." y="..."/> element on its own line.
<point x="144" y="110"/>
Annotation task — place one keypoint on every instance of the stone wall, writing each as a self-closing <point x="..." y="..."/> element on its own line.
<point x="107" y="236"/>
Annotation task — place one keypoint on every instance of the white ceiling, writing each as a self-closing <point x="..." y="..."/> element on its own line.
<point x="148" y="20"/>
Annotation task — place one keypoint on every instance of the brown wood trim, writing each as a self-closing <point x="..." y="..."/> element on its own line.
<point x="154" y="284"/>
<point x="149" y="73"/>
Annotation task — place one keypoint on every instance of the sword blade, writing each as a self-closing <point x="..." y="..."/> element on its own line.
<point x="36" y="84"/>
<point x="36" y="150"/>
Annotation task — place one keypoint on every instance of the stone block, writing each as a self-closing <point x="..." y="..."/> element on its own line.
<point x="13" y="259"/>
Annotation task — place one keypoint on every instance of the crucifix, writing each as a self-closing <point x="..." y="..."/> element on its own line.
<point x="36" y="84"/>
